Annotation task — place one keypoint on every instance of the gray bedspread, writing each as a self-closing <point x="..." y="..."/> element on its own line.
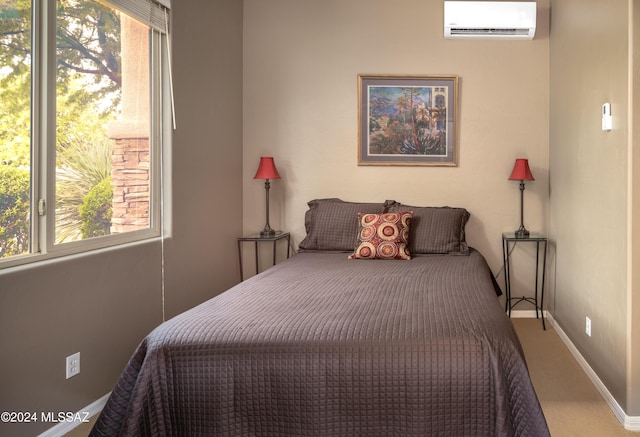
<point x="324" y="346"/>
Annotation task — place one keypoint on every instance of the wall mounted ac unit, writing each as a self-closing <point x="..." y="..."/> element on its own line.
<point x="489" y="20"/>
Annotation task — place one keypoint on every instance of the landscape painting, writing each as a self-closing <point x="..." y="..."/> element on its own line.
<point x="407" y="120"/>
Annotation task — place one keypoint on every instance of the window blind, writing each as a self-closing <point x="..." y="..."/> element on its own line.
<point x="151" y="12"/>
<point x="155" y="13"/>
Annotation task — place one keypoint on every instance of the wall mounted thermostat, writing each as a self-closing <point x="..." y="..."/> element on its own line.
<point x="607" y="121"/>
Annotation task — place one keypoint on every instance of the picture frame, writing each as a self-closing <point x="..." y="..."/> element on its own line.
<point x="407" y="120"/>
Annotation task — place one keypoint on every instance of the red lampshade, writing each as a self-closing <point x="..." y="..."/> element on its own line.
<point x="267" y="169"/>
<point x="521" y="171"/>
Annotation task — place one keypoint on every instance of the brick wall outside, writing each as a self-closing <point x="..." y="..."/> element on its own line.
<point x="130" y="165"/>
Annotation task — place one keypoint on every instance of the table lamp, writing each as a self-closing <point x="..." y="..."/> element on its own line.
<point x="521" y="172"/>
<point x="267" y="170"/>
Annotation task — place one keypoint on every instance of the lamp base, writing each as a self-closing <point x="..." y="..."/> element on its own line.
<point x="522" y="233"/>
<point x="267" y="232"/>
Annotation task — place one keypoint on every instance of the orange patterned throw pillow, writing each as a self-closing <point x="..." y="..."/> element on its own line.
<point x="383" y="236"/>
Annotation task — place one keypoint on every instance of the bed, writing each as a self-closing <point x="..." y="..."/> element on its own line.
<point x="324" y="345"/>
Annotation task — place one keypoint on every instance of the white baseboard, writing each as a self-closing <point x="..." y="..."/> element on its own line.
<point x="630" y="423"/>
<point x="87" y="412"/>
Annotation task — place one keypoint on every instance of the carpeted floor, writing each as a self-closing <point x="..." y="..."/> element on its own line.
<point x="571" y="404"/>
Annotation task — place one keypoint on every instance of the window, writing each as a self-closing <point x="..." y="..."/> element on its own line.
<point x="15" y="128"/>
<point x="80" y="125"/>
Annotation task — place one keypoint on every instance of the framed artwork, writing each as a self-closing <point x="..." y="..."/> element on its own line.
<point x="407" y="120"/>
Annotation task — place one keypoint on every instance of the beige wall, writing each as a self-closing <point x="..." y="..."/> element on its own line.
<point x="633" y="288"/>
<point x="301" y="62"/>
<point x="58" y="308"/>
<point x="207" y="152"/>
<point x="102" y="304"/>
<point x="590" y="187"/>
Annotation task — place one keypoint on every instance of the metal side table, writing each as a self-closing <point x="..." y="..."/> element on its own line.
<point x="259" y="239"/>
<point x="540" y="242"/>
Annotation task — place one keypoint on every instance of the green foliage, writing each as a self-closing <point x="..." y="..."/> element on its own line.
<point x="87" y="39"/>
<point x="15" y="82"/>
<point x="96" y="210"/>
<point x="14" y="210"/>
<point x="88" y="42"/>
<point x="85" y="164"/>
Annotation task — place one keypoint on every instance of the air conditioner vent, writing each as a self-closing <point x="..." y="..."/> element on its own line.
<point x="485" y="31"/>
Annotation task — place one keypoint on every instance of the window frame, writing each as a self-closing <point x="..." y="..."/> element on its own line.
<point x="43" y="142"/>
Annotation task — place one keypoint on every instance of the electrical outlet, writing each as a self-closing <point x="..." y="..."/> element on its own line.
<point x="588" y="327"/>
<point x="73" y="365"/>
